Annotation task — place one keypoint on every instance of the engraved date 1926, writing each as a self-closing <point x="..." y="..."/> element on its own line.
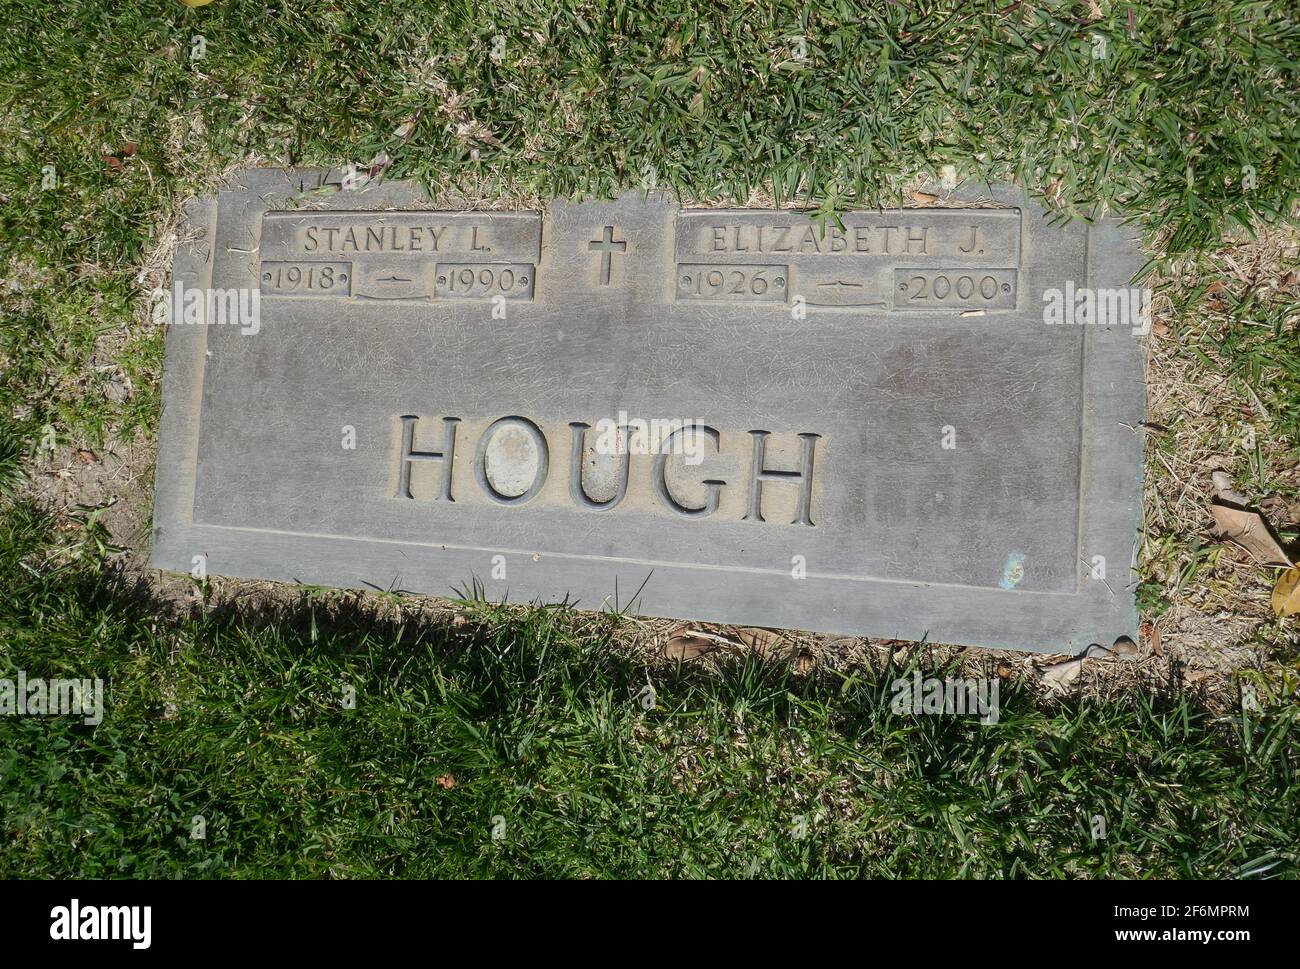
<point x="733" y="281"/>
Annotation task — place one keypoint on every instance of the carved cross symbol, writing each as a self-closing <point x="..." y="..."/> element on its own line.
<point x="606" y="246"/>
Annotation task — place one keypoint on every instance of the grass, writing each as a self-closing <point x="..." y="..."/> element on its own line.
<point x="1182" y="114"/>
<point x="533" y="722"/>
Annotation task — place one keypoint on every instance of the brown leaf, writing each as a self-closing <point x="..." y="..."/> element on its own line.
<point x="1059" y="676"/>
<point x="407" y="127"/>
<point x="113" y="162"/>
<point x="1124" y="648"/>
<point x="129" y="149"/>
<point x="685" y="643"/>
<point x="447" y="781"/>
<point x="688" y="642"/>
<point x="764" y="642"/>
<point x="1222" y="482"/>
<point x="1286" y="594"/>
<point x="474" y="131"/>
<point x="1248" y="530"/>
<point x="378" y="164"/>
<point x="1151" y="632"/>
<point x="925" y="198"/>
<point x="87" y="456"/>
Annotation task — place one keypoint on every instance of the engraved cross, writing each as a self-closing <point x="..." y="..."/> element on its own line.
<point x="606" y="246"/>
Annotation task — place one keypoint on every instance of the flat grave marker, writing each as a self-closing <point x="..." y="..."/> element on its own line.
<point x="915" y="424"/>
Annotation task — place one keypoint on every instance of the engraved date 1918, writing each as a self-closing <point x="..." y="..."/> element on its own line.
<point x="306" y="278"/>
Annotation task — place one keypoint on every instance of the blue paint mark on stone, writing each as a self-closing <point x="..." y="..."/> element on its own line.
<point x="1013" y="571"/>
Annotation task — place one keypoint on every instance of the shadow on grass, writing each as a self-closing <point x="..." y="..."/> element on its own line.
<point x="340" y="735"/>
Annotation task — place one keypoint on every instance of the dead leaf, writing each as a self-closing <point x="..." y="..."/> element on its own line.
<point x="1059" y="676"/>
<point x="688" y="642"/>
<point x="1124" y="648"/>
<point x="1151" y="632"/>
<point x="764" y="642"/>
<point x="113" y="162"/>
<point x="474" y="131"/>
<point x="1248" y="530"/>
<point x="407" y="127"/>
<point x="1161" y="330"/>
<point x="1213" y="299"/>
<point x="1005" y="670"/>
<point x="87" y="456"/>
<point x="685" y="643"/>
<point x="924" y="197"/>
<point x="804" y="663"/>
<point x="378" y="164"/>
<point x="129" y="149"/>
<point x="447" y="781"/>
<point x="1222" y="482"/>
<point x="1286" y="594"/>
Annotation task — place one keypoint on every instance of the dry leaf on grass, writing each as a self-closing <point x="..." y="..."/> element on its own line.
<point x="1059" y="676"/>
<point x="1151" y="632"/>
<point x="688" y="642"/>
<point x="407" y="127"/>
<point x="1222" y="482"/>
<point x="468" y="131"/>
<point x="761" y="641"/>
<point x="447" y="781"/>
<point x="1249" y="531"/>
<point x="685" y="643"/>
<point x="1122" y="648"/>
<point x="1286" y="594"/>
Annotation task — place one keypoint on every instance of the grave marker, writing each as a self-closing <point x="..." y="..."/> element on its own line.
<point x="893" y="426"/>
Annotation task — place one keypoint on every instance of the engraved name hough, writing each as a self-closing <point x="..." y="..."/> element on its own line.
<point x="510" y="463"/>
